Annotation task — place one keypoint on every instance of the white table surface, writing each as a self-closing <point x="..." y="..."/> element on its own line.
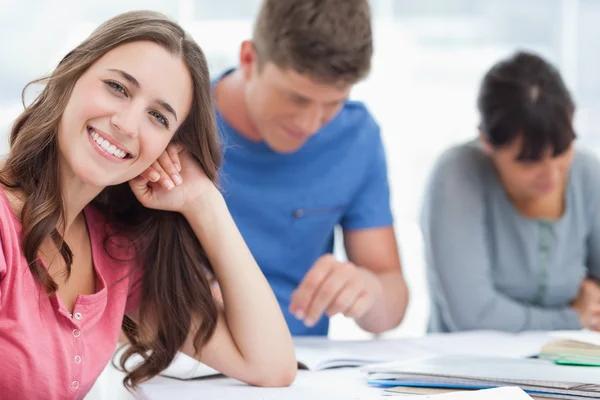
<point x="345" y="383"/>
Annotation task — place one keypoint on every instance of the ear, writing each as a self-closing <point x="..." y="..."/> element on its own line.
<point x="487" y="147"/>
<point x="248" y="59"/>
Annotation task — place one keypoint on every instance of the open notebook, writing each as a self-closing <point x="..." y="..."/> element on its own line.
<point x="536" y="376"/>
<point x="315" y="354"/>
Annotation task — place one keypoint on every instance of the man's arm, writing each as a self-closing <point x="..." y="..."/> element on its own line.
<point x="375" y="253"/>
<point x="369" y="288"/>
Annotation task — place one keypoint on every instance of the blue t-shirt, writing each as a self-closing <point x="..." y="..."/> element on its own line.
<point x="286" y="206"/>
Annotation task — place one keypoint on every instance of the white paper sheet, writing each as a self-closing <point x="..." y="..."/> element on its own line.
<point x="484" y="343"/>
<point x="503" y="393"/>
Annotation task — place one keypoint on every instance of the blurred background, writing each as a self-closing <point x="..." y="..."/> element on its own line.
<point x="430" y="56"/>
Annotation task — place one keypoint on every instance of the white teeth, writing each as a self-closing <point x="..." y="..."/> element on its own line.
<point x="106" y="145"/>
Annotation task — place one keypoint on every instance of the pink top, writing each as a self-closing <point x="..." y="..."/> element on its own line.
<point x="46" y="352"/>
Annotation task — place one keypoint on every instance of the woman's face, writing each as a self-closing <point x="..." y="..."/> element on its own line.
<point x="530" y="180"/>
<point x="123" y="112"/>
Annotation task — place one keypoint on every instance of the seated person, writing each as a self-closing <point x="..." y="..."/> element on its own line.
<point x="94" y="234"/>
<point x="301" y="158"/>
<point x="511" y="220"/>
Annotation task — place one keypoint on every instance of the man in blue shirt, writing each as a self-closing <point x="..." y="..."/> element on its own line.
<point x="300" y="158"/>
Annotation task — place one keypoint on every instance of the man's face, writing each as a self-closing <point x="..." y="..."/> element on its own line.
<point x="286" y="107"/>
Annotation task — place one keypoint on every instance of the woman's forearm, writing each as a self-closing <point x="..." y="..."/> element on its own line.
<point x="252" y="313"/>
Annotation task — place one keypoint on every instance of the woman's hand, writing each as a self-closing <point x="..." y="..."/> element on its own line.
<point x="173" y="182"/>
<point x="587" y="304"/>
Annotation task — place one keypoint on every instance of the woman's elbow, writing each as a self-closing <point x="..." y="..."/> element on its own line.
<point x="279" y="374"/>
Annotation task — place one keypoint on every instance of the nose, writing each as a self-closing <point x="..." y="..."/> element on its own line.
<point x="311" y="120"/>
<point x="126" y="121"/>
<point x="551" y="171"/>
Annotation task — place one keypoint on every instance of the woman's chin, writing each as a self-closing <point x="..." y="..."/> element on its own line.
<point x="99" y="179"/>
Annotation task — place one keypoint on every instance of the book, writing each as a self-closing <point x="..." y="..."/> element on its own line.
<point x="535" y="376"/>
<point x="582" y="335"/>
<point x="571" y="352"/>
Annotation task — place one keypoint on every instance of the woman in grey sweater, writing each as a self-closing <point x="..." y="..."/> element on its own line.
<point x="511" y="220"/>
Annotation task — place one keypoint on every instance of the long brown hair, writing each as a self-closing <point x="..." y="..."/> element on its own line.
<point x="175" y="289"/>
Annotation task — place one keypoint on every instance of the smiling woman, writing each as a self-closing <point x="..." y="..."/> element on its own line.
<point x="119" y="106"/>
<point x="83" y="219"/>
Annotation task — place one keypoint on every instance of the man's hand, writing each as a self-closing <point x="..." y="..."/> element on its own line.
<point x="333" y="287"/>
<point x="587" y="304"/>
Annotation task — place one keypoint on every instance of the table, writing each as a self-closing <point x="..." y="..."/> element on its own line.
<point x="336" y="384"/>
<point x="343" y="383"/>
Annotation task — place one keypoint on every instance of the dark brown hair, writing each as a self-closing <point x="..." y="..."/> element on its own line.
<point x="329" y="40"/>
<point x="524" y="95"/>
<point x="175" y="290"/>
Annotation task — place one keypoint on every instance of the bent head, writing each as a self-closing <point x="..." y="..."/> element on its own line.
<point x="526" y="125"/>
<point x="301" y="64"/>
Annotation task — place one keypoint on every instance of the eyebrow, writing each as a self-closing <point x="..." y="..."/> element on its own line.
<point x="308" y="100"/>
<point x="134" y="82"/>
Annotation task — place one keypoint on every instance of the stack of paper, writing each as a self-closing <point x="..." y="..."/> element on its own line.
<point x="535" y="376"/>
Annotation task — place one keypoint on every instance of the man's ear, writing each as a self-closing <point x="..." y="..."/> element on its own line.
<point x="248" y="59"/>
<point x="487" y="147"/>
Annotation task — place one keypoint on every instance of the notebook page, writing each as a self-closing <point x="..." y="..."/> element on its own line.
<point x="321" y="353"/>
